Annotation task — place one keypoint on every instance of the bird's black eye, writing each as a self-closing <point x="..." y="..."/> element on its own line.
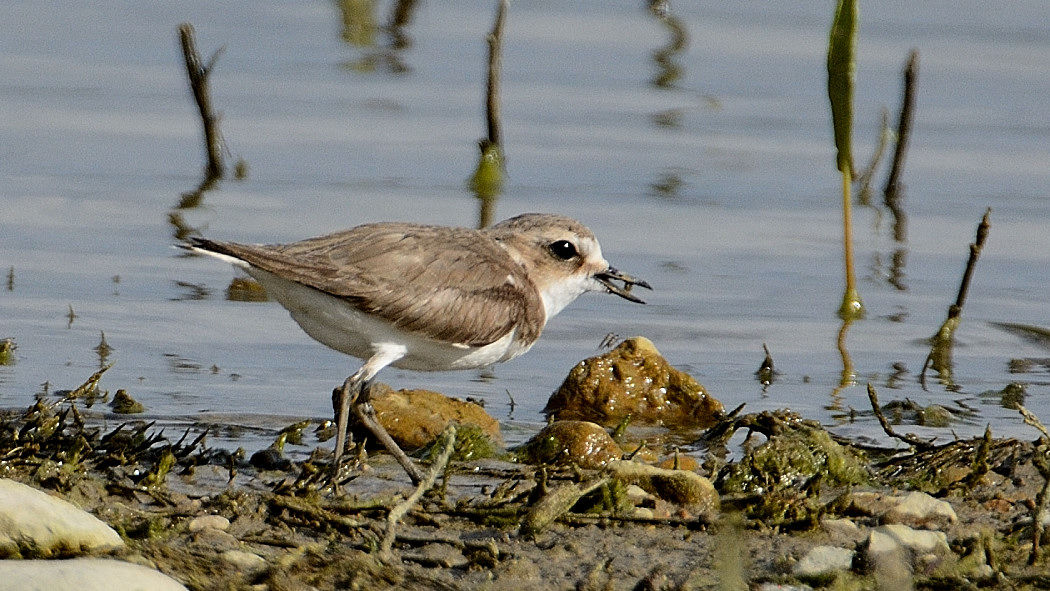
<point x="563" y="249"/>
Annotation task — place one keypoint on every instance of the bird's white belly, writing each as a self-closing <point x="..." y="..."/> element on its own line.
<point x="337" y="324"/>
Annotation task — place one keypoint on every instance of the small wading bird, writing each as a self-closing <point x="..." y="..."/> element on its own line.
<point x="425" y="297"/>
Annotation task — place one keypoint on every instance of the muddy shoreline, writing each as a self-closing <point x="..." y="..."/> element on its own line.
<point x="288" y="530"/>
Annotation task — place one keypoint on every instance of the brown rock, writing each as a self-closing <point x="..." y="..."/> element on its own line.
<point x="571" y="442"/>
<point x="633" y="379"/>
<point x="679" y="462"/>
<point x="414" y="418"/>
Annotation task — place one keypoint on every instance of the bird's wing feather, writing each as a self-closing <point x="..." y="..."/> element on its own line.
<point x="470" y="292"/>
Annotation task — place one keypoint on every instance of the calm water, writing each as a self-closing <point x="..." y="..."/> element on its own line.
<point x="711" y="176"/>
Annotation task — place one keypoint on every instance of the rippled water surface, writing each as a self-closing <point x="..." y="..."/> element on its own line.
<point x="698" y="148"/>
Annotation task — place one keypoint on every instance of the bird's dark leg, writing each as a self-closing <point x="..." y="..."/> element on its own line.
<point x="342" y="398"/>
<point x="364" y="412"/>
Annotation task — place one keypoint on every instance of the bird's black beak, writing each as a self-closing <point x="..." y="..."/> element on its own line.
<point x="609" y="275"/>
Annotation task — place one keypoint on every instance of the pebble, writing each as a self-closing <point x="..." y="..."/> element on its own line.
<point x="209" y="522"/>
<point x="246" y="562"/>
<point x="920" y="510"/>
<point x="82" y="574"/>
<point x="35" y="524"/>
<point x="887" y="538"/>
<point x="822" y="560"/>
<point x="920" y="549"/>
<point x="841" y="529"/>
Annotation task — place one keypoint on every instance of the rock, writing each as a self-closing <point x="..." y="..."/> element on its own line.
<point x="209" y="522"/>
<point x="893" y="548"/>
<point x="841" y="529"/>
<point x="887" y="537"/>
<point x="35" y="524"/>
<point x="82" y="574"/>
<point x="677" y="486"/>
<point x="571" y="442"/>
<point x="271" y="459"/>
<point x="414" y="418"/>
<point x="798" y="453"/>
<point x="215" y="540"/>
<point x="246" y="562"/>
<point x="7" y="351"/>
<point x="920" y="510"/>
<point x="633" y="380"/>
<point x="868" y="504"/>
<point x="679" y="461"/>
<point x="124" y="404"/>
<point x="824" y="560"/>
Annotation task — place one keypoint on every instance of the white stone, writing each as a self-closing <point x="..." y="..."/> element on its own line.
<point x="246" y="562"/>
<point x="842" y="528"/>
<point x="82" y="574"/>
<point x="822" y="560"/>
<point x="35" y="523"/>
<point x="209" y="522"/>
<point x="887" y="538"/>
<point x="919" y="509"/>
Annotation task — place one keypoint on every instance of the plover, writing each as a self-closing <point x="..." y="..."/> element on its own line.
<point x="426" y="297"/>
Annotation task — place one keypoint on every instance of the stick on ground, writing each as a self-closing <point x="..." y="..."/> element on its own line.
<point x="447" y="446"/>
<point x="912" y="440"/>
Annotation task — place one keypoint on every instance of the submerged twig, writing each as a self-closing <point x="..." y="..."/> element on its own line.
<point x="940" y="357"/>
<point x="765" y="372"/>
<point x="198" y="73"/>
<point x="893" y="191"/>
<point x="447" y="445"/>
<point x="89" y="386"/>
<point x="912" y="440"/>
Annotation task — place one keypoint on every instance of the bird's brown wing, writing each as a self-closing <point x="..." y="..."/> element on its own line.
<point x="467" y="290"/>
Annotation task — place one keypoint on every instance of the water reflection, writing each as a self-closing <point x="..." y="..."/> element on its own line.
<point x="103" y="350"/>
<point x="191" y="292"/>
<point x="668" y="185"/>
<point x="361" y="28"/>
<point x="487" y="181"/>
<point x="848" y="377"/>
<point x="668" y="72"/>
<point x="198" y="74"/>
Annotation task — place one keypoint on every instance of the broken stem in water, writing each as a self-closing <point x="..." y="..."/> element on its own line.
<point x="487" y="181"/>
<point x="940" y="357"/>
